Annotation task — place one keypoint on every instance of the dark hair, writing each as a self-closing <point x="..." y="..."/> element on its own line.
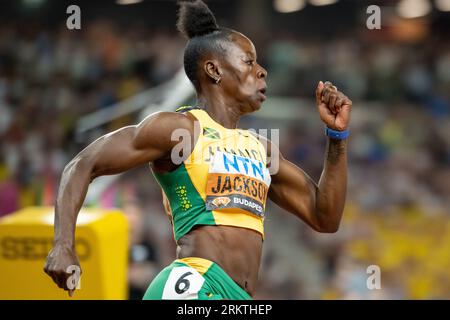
<point x="198" y="24"/>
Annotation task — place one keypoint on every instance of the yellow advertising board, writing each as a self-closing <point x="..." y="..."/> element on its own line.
<point x="26" y="237"/>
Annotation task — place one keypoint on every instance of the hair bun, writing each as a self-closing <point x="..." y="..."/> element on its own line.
<point x="195" y="19"/>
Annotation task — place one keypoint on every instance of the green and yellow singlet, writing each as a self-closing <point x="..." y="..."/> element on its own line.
<point x="224" y="181"/>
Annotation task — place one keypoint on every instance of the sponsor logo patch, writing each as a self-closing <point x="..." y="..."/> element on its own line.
<point x="221" y="201"/>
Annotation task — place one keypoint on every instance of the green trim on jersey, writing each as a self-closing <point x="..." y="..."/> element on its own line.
<point x="187" y="206"/>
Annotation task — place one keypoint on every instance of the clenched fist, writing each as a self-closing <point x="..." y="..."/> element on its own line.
<point x="334" y="106"/>
<point x="63" y="267"/>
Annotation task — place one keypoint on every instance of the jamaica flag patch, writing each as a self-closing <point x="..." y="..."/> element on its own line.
<point x="211" y="133"/>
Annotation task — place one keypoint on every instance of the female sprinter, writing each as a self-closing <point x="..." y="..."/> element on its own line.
<point x="216" y="193"/>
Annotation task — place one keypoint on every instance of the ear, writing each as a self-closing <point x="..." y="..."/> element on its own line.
<point x="212" y="70"/>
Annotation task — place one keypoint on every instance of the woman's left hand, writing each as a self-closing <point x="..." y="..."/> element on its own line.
<point x="334" y="106"/>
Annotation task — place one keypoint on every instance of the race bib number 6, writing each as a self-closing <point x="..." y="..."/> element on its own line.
<point x="183" y="283"/>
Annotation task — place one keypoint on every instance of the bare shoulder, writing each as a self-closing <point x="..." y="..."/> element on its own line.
<point x="159" y="127"/>
<point x="171" y="120"/>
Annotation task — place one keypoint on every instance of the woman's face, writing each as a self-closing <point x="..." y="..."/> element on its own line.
<point x="242" y="77"/>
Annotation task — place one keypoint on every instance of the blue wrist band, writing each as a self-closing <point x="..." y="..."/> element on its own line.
<point x="338" y="135"/>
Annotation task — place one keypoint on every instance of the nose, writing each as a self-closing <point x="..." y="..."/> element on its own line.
<point x="262" y="73"/>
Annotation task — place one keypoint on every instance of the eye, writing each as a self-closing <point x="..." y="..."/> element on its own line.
<point x="250" y="62"/>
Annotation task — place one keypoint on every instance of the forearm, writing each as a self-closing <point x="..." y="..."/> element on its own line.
<point x="332" y="187"/>
<point x="71" y="194"/>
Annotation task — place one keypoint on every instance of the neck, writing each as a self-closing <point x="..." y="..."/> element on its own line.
<point x="220" y="109"/>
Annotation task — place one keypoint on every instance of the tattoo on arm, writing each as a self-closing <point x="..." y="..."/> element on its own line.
<point x="335" y="149"/>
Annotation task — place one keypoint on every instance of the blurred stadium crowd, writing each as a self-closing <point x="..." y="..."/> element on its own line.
<point x="398" y="198"/>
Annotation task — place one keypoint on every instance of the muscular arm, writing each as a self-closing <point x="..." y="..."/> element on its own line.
<point x="319" y="205"/>
<point x="111" y="154"/>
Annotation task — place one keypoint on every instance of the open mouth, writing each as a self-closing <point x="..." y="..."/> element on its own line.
<point x="262" y="93"/>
